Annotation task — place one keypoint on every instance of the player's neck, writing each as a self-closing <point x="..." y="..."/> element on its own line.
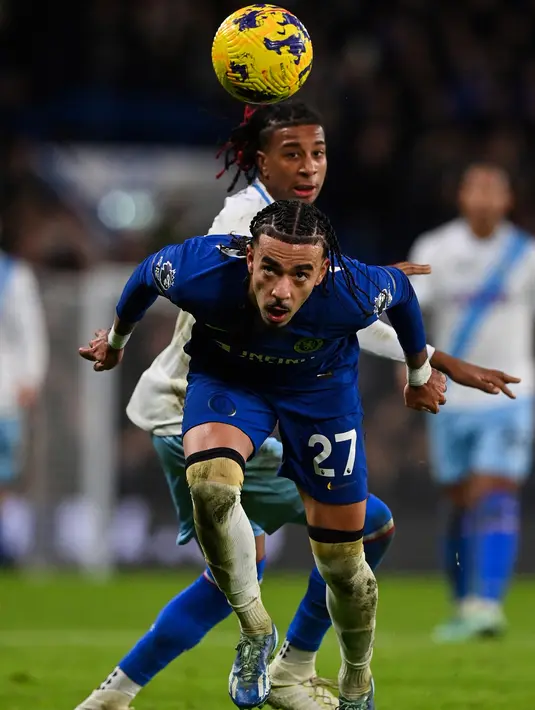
<point x="483" y="230"/>
<point x="265" y="186"/>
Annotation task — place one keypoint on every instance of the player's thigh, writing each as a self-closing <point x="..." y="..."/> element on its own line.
<point x="219" y="414"/>
<point x="505" y="443"/>
<point x="11" y="434"/>
<point x="170" y="451"/>
<point x="451" y="439"/>
<point x="326" y="460"/>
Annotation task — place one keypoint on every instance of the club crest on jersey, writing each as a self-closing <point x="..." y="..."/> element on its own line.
<point x="383" y="300"/>
<point x="308" y="345"/>
<point x="164" y="274"/>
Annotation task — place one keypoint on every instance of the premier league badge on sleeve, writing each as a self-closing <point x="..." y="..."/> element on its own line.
<point x="383" y="300"/>
<point x="164" y="275"/>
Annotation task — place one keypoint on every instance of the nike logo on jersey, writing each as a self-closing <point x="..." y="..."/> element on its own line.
<point x="214" y="327"/>
<point x="330" y="486"/>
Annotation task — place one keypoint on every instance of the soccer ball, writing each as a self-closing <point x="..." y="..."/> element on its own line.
<point x="262" y="54"/>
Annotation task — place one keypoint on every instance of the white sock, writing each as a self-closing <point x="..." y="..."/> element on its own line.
<point x="227" y="539"/>
<point x="294" y="664"/>
<point x="118" y="680"/>
<point x="352" y="603"/>
<point x="473" y="605"/>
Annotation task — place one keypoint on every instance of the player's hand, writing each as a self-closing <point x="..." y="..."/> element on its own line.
<point x="99" y="352"/>
<point x="410" y="269"/>
<point x="428" y="397"/>
<point x="479" y="378"/>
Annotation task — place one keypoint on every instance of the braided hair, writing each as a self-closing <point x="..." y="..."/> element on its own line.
<point x="254" y="132"/>
<point x="296" y="222"/>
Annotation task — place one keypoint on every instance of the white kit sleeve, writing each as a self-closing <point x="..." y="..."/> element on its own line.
<point x="380" y="339"/>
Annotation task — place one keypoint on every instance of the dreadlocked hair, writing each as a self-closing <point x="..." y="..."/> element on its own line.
<point x="254" y="132"/>
<point x="296" y="222"/>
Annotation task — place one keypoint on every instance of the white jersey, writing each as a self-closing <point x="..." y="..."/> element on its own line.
<point x="480" y="297"/>
<point x="23" y="338"/>
<point x="157" y="402"/>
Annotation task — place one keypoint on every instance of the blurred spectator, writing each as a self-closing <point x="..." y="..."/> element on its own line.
<point x="23" y="364"/>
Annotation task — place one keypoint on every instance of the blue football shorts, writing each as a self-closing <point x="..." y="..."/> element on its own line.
<point x="321" y="431"/>
<point x="269" y="501"/>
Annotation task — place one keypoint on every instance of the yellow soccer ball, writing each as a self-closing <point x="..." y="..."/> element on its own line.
<point x="262" y="54"/>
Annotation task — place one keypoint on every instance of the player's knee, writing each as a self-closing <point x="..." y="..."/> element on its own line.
<point x="379" y="518"/>
<point x="220" y="465"/>
<point x="215" y="477"/>
<point x="340" y="559"/>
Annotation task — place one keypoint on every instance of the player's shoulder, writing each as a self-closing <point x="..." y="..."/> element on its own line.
<point x="10" y="261"/>
<point x="239" y="210"/>
<point x="254" y="194"/>
<point x="445" y="236"/>
<point x="521" y="235"/>
<point x="195" y="259"/>
<point x="522" y="244"/>
<point x="14" y="267"/>
<point x="358" y="290"/>
<point x="211" y="248"/>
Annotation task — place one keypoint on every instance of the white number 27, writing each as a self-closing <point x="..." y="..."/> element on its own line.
<point x="327" y="448"/>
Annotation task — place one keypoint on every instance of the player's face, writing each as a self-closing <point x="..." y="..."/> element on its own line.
<point x="282" y="277"/>
<point x="485" y="196"/>
<point x="294" y="162"/>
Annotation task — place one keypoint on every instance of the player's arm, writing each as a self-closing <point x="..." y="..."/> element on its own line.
<point x="31" y="332"/>
<point x="469" y="375"/>
<point x="389" y="289"/>
<point x="155" y="276"/>
<point x="380" y="339"/>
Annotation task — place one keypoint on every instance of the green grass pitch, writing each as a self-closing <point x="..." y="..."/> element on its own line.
<point x="60" y="637"/>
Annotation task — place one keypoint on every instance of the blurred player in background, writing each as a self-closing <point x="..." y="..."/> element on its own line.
<point x="278" y="148"/>
<point x="23" y="364"/>
<point x="480" y="299"/>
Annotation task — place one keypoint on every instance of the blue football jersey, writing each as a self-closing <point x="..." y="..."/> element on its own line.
<point x="207" y="276"/>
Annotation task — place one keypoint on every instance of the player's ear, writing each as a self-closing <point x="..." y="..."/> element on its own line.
<point x="250" y="258"/>
<point x="323" y="271"/>
<point x="261" y="159"/>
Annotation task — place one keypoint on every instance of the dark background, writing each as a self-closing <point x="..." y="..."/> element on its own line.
<point x="410" y="91"/>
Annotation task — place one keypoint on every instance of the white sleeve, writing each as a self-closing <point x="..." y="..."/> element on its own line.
<point x="30" y="326"/>
<point x="380" y="339"/>
<point x="421" y="253"/>
<point x="234" y="218"/>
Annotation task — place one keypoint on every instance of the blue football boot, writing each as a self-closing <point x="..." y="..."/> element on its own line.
<point x="249" y="683"/>
<point x="367" y="702"/>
